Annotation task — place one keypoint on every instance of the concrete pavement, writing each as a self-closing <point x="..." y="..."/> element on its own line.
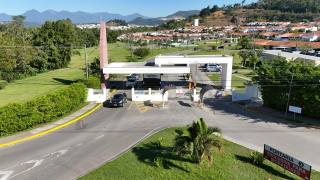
<point x="80" y="148"/>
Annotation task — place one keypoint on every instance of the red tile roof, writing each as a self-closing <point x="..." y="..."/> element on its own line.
<point x="269" y="33"/>
<point x="263" y="42"/>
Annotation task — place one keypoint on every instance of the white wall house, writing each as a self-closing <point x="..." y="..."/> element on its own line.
<point x="271" y="54"/>
<point x="310" y="37"/>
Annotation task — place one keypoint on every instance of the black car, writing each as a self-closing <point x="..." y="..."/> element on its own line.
<point x="119" y="99"/>
<point x="135" y="76"/>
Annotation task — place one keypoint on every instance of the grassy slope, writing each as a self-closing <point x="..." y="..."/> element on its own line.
<point x="28" y="88"/>
<point x="236" y="57"/>
<point x="232" y="163"/>
<point x="31" y="87"/>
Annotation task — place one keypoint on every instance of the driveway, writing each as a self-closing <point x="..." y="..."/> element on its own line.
<point x="102" y="136"/>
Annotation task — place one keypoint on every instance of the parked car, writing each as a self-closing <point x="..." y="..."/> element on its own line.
<point x="119" y="99"/>
<point x="131" y="82"/>
<point x="134" y="76"/>
<point x="287" y="50"/>
<point x="213" y="68"/>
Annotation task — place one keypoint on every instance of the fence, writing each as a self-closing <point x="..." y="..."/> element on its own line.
<point x="149" y="95"/>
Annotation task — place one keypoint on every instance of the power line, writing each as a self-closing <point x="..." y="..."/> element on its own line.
<point x="32" y="47"/>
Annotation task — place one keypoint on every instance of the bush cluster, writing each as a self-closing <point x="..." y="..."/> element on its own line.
<point x="3" y="84"/>
<point x="93" y="82"/>
<point x="256" y="158"/>
<point x="141" y="52"/>
<point x="22" y="116"/>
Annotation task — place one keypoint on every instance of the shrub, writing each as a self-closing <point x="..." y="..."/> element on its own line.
<point x="141" y="52"/>
<point x="256" y="158"/>
<point x="93" y="82"/>
<point x="214" y="47"/>
<point x="22" y="116"/>
<point x="3" y="84"/>
<point x="158" y="161"/>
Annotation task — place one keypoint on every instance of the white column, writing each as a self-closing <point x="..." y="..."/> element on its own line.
<point x="226" y="76"/>
<point x="132" y="94"/>
<point x="150" y="92"/>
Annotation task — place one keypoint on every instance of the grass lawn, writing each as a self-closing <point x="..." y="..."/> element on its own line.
<point x="245" y="72"/>
<point x="208" y="43"/>
<point x="236" y="58"/>
<point x="237" y="82"/>
<point x="44" y="83"/>
<point x="231" y="163"/>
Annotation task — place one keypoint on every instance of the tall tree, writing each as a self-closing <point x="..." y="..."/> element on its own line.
<point x="16" y="56"/>
<point x="254" y="59"/>
<point x="205" y="12"/>
<point x="56" y="40"/>
<point x="244" y="42"/>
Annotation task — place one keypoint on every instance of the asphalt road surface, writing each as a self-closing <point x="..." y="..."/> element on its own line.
<point x="102" y="136"/>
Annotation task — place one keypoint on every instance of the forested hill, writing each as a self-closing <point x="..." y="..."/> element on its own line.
<point x="296" y="6"/>
<point x="261" y="10"/>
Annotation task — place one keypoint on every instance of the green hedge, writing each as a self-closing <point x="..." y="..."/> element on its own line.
<point x="92" y="82"/>
<point x="23" y="116"/>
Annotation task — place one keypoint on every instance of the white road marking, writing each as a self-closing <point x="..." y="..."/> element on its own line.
<point x="24" y="167"/>
<point x="35" y="163"/>
<point x="4" y="175"/>
<point x="56" y="154"/>
<point x="99" y="137"/>
<point x="78" y="145"/>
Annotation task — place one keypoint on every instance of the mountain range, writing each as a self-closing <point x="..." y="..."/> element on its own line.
<point x="161" y="20"/>
<point x="80" y="17"/>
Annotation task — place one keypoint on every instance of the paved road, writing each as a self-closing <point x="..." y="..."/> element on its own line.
<point x="199" y="75"/>
<point x="79" y="148"/>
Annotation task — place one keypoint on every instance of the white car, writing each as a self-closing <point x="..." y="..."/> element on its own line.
<point x="213" y="68"/>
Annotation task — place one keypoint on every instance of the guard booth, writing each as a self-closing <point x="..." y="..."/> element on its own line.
<point x="168" y="65"/>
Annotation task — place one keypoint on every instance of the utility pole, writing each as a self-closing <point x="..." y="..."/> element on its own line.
<point x="290" y="88"/>
<point x="86" y="61"/>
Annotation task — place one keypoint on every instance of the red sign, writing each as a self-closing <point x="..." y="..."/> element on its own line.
<point x="289" y="163"/>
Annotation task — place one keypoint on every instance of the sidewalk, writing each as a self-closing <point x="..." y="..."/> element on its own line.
<point x="45" y="127"/>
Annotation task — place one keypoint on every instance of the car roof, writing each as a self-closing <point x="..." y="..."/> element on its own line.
<point x="119" y="94"/>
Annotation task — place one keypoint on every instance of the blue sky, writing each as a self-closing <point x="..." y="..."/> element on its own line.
<point x="151" y="8"/>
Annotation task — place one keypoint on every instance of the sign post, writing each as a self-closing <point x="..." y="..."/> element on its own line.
<point x="288" y="162"/>
<point x="295" y="110"/>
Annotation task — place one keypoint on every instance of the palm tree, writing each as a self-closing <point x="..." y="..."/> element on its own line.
<point x="199" y="143"/>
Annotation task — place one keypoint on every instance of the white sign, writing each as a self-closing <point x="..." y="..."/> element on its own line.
<point x="295" y="109"/>
<point x="179" y="92"/>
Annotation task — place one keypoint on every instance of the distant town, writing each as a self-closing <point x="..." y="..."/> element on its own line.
<point x="294" y="40"/>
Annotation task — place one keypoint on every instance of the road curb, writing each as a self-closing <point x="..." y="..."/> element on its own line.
<point x="58" y="127"/>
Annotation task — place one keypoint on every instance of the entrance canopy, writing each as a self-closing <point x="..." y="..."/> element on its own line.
<point x="142" y="68"/>
<point x="167" y="65"/>
<point x="195" y="59"/>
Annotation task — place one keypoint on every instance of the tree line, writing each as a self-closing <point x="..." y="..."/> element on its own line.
<point x="28" y="51"/>
<point x="296" y="6"/>
<point x="286" y="83"/>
